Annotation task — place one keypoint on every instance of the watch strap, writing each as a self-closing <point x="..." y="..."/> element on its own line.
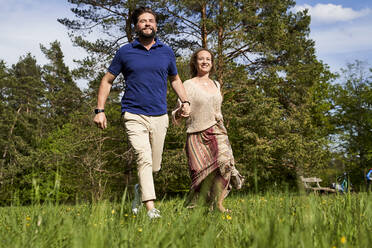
<point x="96" y="111"/>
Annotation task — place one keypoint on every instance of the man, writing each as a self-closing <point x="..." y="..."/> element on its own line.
<point x="146" y="63"/>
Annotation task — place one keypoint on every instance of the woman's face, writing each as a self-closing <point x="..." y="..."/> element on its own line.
<point x="203" y="62"/>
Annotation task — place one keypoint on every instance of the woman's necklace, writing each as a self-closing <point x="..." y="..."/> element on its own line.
<point x="204" y="83"/>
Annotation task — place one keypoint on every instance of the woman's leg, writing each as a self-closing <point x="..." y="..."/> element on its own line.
<point x="221" y="191"/>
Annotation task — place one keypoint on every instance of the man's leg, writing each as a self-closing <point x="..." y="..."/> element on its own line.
<point x="158" y="130"/>
<point x="137" y="127"/>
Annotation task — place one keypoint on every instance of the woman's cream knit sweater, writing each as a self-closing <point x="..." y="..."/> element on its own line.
<point x="205" y="107"/>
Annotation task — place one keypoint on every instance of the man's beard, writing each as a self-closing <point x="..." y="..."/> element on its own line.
<point x="151" y="35"/>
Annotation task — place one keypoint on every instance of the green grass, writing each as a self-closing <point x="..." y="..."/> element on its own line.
<point x="271" y="220"/>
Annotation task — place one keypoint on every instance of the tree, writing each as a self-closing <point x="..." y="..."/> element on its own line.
<point x="262" y="49"/>
<point x="110" y="19"/>
<point x="353" y="117"/>
<point x="62" y="94"/>
<point x="22" y="101"/>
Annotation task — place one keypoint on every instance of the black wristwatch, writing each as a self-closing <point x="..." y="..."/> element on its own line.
<point x="96" y="111"/>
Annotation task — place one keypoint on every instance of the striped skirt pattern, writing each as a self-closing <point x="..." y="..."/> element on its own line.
<point x="209" y="151"/>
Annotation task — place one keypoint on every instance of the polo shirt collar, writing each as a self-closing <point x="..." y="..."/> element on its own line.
<point x="136" y="43"/>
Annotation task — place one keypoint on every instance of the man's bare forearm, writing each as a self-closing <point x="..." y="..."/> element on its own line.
<point x="104" y="89"/>
<point x="178" y="87"/>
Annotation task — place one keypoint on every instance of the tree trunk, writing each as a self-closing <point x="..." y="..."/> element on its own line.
<point x="220" y="61"/>
<point x="11" y="131"/>
<point x="128" y="27"/>
<point x="7" y="146"/>
<point x="204" y="33"/>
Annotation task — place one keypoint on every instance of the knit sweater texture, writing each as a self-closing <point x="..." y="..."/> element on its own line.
<point x="205" y="107"/>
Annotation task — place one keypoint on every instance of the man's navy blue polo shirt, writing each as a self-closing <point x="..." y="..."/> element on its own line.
<point x="145" y="72"/>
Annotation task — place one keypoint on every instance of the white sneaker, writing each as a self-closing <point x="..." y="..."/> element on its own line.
<point x="136" y="203"/>
<point x="153" y="213"/>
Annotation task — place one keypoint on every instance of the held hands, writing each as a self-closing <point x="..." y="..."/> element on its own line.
<point x="100" y="120"/>
<point x="185" y="109"/>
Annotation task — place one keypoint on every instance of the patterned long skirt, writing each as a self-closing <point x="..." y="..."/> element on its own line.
<point x="209" y="154"/>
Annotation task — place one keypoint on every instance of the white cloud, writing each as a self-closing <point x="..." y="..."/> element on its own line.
<point x="347" y="38"/>
<point x="337" y="45"/>
<point x="330" y="13"/>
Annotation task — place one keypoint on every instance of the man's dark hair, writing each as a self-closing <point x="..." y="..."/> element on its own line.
<point x="139" y="11"/>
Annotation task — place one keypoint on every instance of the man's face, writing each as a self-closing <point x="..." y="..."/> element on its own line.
<point x="146" y="26"/>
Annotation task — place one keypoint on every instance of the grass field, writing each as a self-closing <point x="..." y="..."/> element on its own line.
<point x="270" y="220"/>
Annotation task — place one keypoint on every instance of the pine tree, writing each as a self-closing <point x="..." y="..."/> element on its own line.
<point x="23" y="101"/>
<point x="62" y="94"/>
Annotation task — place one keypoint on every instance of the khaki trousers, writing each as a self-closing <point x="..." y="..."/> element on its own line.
<point x="146" y="135"/>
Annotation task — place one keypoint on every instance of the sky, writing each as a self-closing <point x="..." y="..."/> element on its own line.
<point x="342" y="30"/>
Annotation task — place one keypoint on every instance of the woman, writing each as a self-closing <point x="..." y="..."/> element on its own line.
<point x="208" y="150"/>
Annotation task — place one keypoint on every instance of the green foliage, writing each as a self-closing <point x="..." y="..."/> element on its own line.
<point x="22" y="101"/>
<point x="62" y="94"/>
<point x="352" y="118"/>
<point x="277" y="102"/>
<point x="269" y="220"/>
<point x="36" y="100"/>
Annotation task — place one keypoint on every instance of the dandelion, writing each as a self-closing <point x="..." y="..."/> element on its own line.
<point x="28" y="218"/>
<point x="113" y="211"/>
<point x="140" y="229"/>
<point x="228" y="217"/>
<point x="223" y="217"/>
<point x="134" y="216"/>
<point x="343" y="240"/>
<point x="126" y="215"/>
<point x="334" y="246"/>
